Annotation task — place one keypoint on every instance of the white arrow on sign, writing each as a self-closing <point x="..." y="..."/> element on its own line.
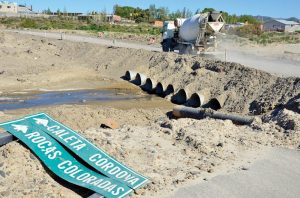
<point x="41" y="121"/>
<point x="22" y="128"/>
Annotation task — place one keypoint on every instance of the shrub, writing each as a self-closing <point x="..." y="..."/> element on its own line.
<point x="248" y="31"/>
<point x="28" y="23"/>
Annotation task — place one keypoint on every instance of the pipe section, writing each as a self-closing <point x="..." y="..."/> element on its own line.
<point x="130" y="75"/>
<point x="217" y="102"/>
<point x="160" y="89"/>
<point x="196" y="100"/>
<point x="163" y="90"/>
<point x="180" y="97"/>
<point x="200" y="113"/>
<point x="170" y="90"/>
<point x="149" y="86"/>
<point x="140" y="79"/>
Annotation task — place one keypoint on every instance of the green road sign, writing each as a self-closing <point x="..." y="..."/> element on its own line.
<point x="84" y="149"/>
<point x="62" y="163"/>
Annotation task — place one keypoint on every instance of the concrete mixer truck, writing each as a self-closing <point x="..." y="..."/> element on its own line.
<point x="192" y="35"/>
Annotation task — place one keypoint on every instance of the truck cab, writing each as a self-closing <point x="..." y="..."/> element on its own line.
<point x="168" y="32"/>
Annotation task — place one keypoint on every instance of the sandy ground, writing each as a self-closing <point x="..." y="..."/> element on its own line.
<point x="172" y="153"/>
<point x="279" y="59"/>
<point x="92" y="39"/>
<point x="259" y="179"/>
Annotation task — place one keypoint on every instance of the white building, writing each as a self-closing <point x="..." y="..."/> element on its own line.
<point x="24" y="9"/>
<point x="281" y="26"/>
<point x="6" y="7"/>
<point x="13" y="8"/>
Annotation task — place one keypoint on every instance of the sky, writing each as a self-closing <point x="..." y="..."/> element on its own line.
<point x="273" y="8"/>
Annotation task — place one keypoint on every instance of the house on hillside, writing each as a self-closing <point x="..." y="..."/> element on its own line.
<point x="84" y="17"/>
<point x="159" y="24"/>
<point x="281" y="26"/>
<point x="111" y="18"/>
<point x="7" y="7"/>
<point x="24" y="9"/>
<point x="13" y="9"/>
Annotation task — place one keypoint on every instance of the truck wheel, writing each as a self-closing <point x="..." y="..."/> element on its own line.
<point x="182" y="49"/>
<point x="165" y="46"/>
<point x="189" y="50"/>
<point x="215" y="45"/>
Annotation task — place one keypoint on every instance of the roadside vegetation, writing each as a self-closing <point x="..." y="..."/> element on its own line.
<point x="72" y="24"/>
<point x="140" y="23"/>
<point x="141" y="17"/>
<point x="254" y="33"/>
<point x="276" y="37"/>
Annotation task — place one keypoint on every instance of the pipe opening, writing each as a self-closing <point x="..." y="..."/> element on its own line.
<point x="194" y="101"/>
<point x="214" y="104"/>
<point x="140" y="79"/>
<point x="159" y="89"/>
<point x="169" y="90"/>
<point x="180" y="97"/>
<point x="149" y="85"/>
<point x="130" y="75"/>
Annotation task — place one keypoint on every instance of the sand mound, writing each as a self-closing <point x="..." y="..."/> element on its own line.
<point x="245" y="90"/>
<point x="174" y="152"/>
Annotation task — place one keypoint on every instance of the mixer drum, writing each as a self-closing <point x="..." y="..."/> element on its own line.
<point x="190" y="28"/>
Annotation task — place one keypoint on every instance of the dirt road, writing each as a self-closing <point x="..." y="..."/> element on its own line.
<point x="95" y="40"/>
<point x="276" y="65"/>
<point x="275" y="175"/>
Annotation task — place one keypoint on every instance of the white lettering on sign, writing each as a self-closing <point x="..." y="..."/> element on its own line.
<point x="78" y="174"/>
<point x="63" y="164"/>
<point x="62" y="134"/>
<point x="66" y="137"/>
<point x="36" y="138"/>
<point x="112" y="169"/>
<point x="94" y="157"/>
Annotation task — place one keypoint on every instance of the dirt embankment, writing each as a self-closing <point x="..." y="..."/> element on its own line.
<point x="170" y="152"/>
<point x="245" y="90"/>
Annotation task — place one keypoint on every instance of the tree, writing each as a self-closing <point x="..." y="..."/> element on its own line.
<point x="175" y="15"/>
<point x="183" y="13"/>
<point x="162" y="13"/>
<point x="115" y="8"/>
<point x="198" y="11"/>
<point x="65" y="11"/>
<point x="125" y="11"/>
<point x="152" y="12"/>
<point x="188" y="13"/>
<point x="207" y="10"/>
<point x="247" y="18"/>
<point x="58" y="12"/>
<point x="293" y="19"/>
<point x="48" y="11"/>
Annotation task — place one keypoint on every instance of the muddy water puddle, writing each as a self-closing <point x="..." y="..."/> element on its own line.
<point x="40" y="99"/>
